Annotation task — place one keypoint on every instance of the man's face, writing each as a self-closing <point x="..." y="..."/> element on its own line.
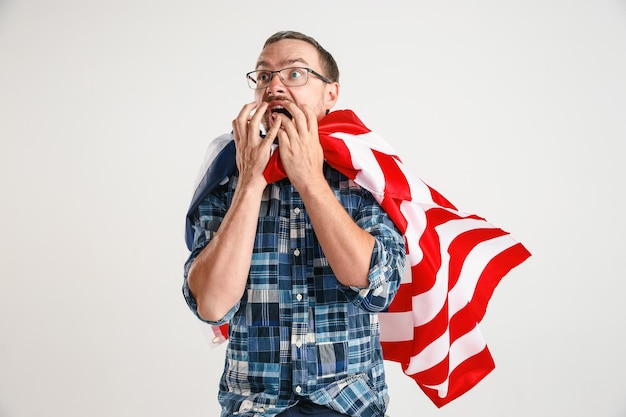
<point x="316" y="94"/>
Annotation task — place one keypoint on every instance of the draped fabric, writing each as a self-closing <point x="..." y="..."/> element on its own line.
<point x="455" y="260"/>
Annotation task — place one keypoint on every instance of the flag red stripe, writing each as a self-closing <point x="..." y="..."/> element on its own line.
<point x="337" y="151"/>
<point x="392" y="208"/>
<point x="462" y="245"/>
<point x="396" y="184"/>
<point x="462" y="378"/>
<point x="439" y="199"/>
<point x="495" y="270"/>
<point x="396" y="351"/>
<point x="425" y="334"/>
<point x="403" y="301"/>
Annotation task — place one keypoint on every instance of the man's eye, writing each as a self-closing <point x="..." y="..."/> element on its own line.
<point x="263" y="76"/>
<point x="295" y="74"/>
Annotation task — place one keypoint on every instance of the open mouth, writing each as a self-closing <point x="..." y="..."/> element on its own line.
<point x="280" y="110"/>
<point x="276" y="107"/>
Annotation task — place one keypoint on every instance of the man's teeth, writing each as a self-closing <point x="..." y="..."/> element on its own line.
<point x="282" y="110"/>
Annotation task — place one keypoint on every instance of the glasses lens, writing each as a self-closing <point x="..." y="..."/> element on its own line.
<point x="251" y="81"/>
<point x="291" y="77"/>
<point x="256" y="79"/>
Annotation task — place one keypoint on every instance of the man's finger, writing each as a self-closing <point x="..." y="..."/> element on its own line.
<point x="255" y="120"/>
<point x="298" y="117"/>
<point x="311" y="118"/>
<point x="242" y="120"/>
<point x="273" y="130"/>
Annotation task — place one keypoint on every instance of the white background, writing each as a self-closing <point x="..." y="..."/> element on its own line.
<point x="514" y="110"/>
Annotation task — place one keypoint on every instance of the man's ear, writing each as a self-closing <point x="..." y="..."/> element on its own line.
<point x="332" y="95"/>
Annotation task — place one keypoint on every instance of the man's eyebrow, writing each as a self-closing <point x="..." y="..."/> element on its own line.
<point x="284" y="63"/>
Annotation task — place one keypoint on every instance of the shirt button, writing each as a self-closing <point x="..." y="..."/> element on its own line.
<point x="296" y="252"/>
<point x="299" y="297"/>
<point x="296" y="210"/>
<point x="298" y="389"/>
<point x="261" y="410"/>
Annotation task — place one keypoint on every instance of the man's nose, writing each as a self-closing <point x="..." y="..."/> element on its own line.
<point x="276" y="85"/>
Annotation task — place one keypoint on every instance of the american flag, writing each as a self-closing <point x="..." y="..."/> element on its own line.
<point x="455" y="260"/>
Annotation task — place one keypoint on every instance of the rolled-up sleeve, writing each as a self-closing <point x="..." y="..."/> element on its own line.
<point x="387" y="262"/>
<point x="206" y="221"/>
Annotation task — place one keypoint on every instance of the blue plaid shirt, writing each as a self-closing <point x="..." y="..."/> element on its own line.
<point x="297" y="332"/>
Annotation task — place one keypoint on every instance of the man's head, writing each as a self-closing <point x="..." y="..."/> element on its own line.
<point x="308" y="62"/>
<point x="329" y="65"/>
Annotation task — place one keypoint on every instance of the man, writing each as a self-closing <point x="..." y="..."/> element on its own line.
<point x="299" y="267"/>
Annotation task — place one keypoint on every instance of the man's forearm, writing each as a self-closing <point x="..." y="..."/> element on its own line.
<point x="217" y="277"/>
<point x="347" y="247"/>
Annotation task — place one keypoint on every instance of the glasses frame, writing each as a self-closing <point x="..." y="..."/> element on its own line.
<point x="308" y="70"/>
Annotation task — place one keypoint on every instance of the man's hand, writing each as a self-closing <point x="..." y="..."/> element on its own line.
<point x="229" y="253"/>
<point x="253" y="151"/>
<point x="347" y="247"/>
<point x="300" y="150"/>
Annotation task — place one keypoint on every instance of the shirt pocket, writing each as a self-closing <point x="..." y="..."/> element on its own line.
<point x="350" y="395"/>
<point x="332" y="361"/>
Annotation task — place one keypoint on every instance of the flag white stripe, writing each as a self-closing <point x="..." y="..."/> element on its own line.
<point x="473" y="267"/>
<point x="370" y="140"/>
<point x="465" y="347"/>
<point x="420" y="193"/>
<point x="428" y="304"/>
<point x="407" y="276"/>
<point x="396" y="326"/>
<point x="430" y="356"/>
<point x="370" y="175"/>
<point x="416" y="224"/>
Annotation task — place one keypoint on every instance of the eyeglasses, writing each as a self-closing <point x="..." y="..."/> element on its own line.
<point x="290" y="77"/>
